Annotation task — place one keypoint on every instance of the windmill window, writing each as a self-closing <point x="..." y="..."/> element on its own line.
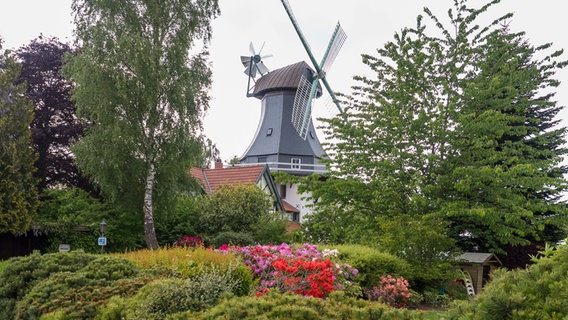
<point x="269" y="132"/>
<point x="261" y="160"/>
<point x="312" y="135"/>
<point x="296" y="162"/>
<point x="283" y="191"/>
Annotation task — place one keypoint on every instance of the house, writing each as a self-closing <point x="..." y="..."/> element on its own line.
<point x="260" y="175"/>
<point x="479" y="266"/>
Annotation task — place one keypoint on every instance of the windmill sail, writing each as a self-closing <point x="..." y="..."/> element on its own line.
<point x="304" y="111"/>
<point x="254" y="66"/>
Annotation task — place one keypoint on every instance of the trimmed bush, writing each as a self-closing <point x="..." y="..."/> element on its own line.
<point x="22" y="273"/>
<point x="113" y="310"/>
<point x="538" y="292"/>
<point x="80" y="293"/>
<point x="371" y="263"/>
<point x="164" y="297"/>
<point x="232" y="238"/>
<point x="290" y="306"/>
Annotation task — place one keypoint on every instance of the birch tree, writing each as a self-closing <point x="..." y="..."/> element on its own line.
<point x="144" y="94"/>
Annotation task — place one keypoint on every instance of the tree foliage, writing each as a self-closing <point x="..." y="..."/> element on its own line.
<point x="55" y="126"/>
<point x="244" y="209"/>
<point x="144" y="94"/>
<point x="18" y="187"/>
<point x="455" y="125"/>
<point x="507" y="177"/>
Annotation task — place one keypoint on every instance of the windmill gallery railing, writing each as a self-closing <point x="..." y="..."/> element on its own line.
<point x="288" y="167"/>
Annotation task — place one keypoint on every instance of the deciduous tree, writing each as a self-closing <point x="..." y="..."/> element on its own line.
<point x="457" y="125"/>
<point x="55" y="126"/>
<point x="144" y="93"/>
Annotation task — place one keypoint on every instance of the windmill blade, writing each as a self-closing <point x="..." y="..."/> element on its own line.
<point x="270" y="55"/>
<point x="317" y="66"/>
<point x="262" y="69"/>
<point x="251" y="49"/>
<point x="288" y="9"/>
<point x="262" y="47"/>
<point x="302" y="108"/>
<point x="246" y="61"/>
<point x="335" y="43"/>
<point x="332" y="94"/>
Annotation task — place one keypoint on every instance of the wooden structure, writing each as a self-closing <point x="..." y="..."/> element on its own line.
<point x="479" y="266"/>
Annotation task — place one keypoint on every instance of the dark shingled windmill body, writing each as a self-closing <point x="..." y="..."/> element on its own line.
<point x="276" y="141"/>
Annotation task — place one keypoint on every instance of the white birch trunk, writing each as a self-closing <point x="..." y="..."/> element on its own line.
<point x="149" y="231"/>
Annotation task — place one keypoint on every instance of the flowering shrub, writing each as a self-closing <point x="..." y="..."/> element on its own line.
<point x="392" y="291"/>
<point x="299" y="269"/>
<point x="187" y="241"/>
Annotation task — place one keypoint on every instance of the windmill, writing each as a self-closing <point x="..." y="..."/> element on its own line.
<point x="302" y="108"/>
<point x="253" y="65"/>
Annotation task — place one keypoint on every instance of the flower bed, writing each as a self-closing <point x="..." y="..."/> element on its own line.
<point x="300" y="269"/>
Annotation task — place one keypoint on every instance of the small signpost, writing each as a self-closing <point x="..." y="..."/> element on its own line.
<point x="102" y="239"/>
<point x="64" y="247"/>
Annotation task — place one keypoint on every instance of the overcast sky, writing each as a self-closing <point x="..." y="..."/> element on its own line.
<point x="232" y="118"/>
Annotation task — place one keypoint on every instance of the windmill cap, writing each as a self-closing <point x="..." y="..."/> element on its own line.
<point x="284" y="79"/>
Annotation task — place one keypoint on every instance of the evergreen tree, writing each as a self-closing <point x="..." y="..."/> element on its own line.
<point x="18" y="188"/>
<point x="144" y="94"/>
<point x="507" y="178"/>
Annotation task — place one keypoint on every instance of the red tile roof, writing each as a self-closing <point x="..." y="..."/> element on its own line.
<point x="212" y="179"/>
<point x="292" y="226"/>
<point x="288" y="207"/>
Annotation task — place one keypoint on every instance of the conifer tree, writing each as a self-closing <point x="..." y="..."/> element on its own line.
<point x="18" y="188"/>
<point x="507" y="175"/>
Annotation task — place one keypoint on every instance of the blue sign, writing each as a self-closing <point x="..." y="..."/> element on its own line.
<point x="102" y="241"/>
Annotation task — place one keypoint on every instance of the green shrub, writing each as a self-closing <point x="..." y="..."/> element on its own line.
<point x="171" y="224"/>
<point x="245" y="279"/>
<point x="232" y="238"/>
<point x="434" y="298"/>
<point x="3" y="264"/>
<point x="22" y="273"/>
<point x="371" y="263"/>
<point x="55" y="315"/>
<point x="114" y="309"/>
<point x="80" y="293"/>
<point x="538" y="292"/>
<point x="110" y="268"/>
<point x="164" y="297"/>
<point x="423" y="243"/>
<point x="62" y="211"/>
<point x="290" y="306"/>
<point x="271" y="229"/>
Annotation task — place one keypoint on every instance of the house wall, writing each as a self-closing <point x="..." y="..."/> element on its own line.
<point x="294" y="198"/>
